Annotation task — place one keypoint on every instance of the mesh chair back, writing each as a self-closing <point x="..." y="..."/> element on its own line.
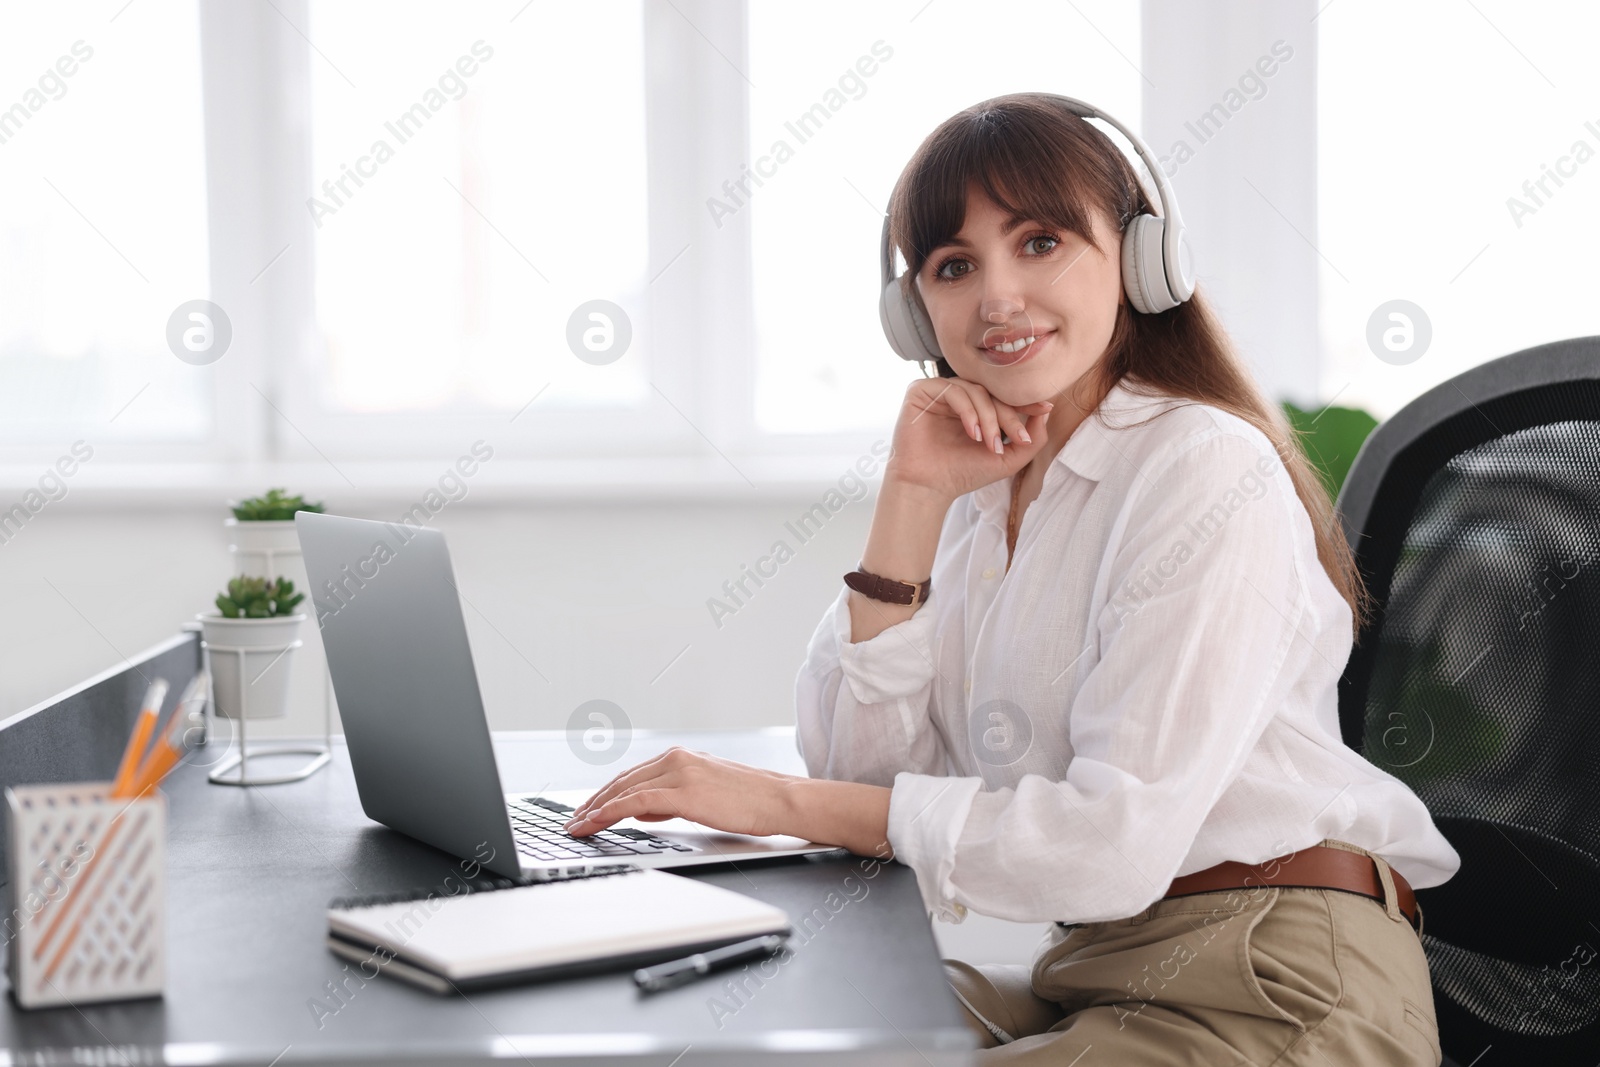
<point x="1475" y="517"/>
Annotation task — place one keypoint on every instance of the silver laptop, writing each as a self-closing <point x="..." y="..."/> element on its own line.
<point x="386" y="601"/>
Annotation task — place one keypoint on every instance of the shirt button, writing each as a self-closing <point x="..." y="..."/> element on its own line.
<point x="967" y="685"/>
<point x="988" y="572"/>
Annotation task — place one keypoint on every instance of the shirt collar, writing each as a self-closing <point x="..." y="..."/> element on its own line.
<point x="1096" y="447"/>
<point x="1101" y="441"/>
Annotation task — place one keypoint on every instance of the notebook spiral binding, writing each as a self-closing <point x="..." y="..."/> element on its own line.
<point x="480" y="884"/>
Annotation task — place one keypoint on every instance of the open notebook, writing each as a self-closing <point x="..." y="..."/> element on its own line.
<point x="504" y="932"/>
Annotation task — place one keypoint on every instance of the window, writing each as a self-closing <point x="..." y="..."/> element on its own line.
<point x="465" y="204"/>
<point x="413" y="203"/>
<point x="1459" y="165"/>
<point x="102" y="171"/>
<point x="823" y="364"/>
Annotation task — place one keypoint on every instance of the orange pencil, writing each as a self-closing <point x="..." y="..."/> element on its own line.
<point x="162" y="759"/>
<point x="140" y="739"/>
<point x="164" y="754"/>
<point x="168" y="750"/>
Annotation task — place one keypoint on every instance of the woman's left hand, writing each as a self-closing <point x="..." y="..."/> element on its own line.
<point x="680" y="784"/>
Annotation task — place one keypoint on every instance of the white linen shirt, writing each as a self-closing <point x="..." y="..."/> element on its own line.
<point x="1149" y="690"/>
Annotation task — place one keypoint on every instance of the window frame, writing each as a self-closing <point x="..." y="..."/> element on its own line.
<point x="701" y="433"/>
<point x="699" y="417"/>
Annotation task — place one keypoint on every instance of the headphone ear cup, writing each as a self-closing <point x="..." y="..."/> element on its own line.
<point x="906" y="325"/>
<point x="1144" y="278"/>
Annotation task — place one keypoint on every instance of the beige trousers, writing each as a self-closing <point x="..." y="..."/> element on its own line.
<point x="1253" y="976"/>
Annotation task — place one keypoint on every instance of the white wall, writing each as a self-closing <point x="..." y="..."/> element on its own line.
<point x="1248" y="192"/>
<point x="598" y="598"/>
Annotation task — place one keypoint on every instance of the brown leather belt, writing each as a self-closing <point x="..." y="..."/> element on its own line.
<point x="1318" y="867"/>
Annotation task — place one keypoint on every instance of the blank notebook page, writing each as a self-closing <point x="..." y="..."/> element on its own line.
<point x="553" y="923"/>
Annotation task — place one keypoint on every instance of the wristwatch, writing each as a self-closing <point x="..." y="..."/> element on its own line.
<point x="887" y="589"/>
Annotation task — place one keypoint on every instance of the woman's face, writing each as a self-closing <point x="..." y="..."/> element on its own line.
<point x="991" y="287"/>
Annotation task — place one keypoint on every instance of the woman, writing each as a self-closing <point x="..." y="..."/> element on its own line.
<point x="1118" y="687"/>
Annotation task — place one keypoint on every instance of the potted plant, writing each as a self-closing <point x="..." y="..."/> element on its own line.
<point x="261" y="531"/>
<point x="1331" y="437"/>
<point x="250" y="637"/>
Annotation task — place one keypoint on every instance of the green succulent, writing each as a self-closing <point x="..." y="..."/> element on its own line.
<point x="257" y="598"/>
<point x="275" y="505"/>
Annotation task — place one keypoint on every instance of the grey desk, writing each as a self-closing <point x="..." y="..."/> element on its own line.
<point x="250" y="982"/>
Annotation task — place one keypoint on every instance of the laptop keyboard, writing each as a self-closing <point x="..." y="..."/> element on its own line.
<point x="537" y="826"/>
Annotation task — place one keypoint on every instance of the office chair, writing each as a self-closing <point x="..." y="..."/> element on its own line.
<point x="1474" y="514"/>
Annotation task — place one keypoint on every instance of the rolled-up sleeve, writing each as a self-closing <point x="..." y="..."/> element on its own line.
<point x="926" y="817"/>
<point x="1197" y="648"/>
<point x="861" y="707"/>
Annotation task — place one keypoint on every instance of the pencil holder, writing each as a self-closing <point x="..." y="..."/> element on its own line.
<point x="86" y="919"/>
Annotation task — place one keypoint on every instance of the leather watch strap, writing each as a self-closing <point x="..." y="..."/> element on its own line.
<point x="887" y="590"/>
<point x="1318" y="867"/>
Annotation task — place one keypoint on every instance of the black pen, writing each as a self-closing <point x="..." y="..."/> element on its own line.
<point x="669" y="975"/>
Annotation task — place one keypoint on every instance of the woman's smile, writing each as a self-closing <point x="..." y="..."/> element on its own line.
<point x="1004" y="350"/>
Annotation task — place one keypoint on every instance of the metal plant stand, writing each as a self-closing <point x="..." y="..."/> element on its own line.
<point x="320" y="753"/>
<point x="220" y="774"/>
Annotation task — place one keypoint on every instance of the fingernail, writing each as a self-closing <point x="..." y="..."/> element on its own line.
<point x="977" y="435"/>
<point x="999" y="448"/>
<point x="1024" y="435"/>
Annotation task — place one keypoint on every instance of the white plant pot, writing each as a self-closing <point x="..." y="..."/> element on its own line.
<point x="253" y="683"/>
<point x="260" y="548"/>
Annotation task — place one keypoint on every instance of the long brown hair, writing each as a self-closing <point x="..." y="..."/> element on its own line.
<point x="1037" y="160"/>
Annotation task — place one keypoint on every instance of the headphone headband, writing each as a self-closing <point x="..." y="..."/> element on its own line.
<point x="1156" y="274"/>
<point x="1173" y="230"/>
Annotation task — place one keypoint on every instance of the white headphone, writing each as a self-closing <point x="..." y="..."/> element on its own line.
<point x="1156" y="271"/>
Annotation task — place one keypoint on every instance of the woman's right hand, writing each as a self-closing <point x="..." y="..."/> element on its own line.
<point x="948" y="440"/>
